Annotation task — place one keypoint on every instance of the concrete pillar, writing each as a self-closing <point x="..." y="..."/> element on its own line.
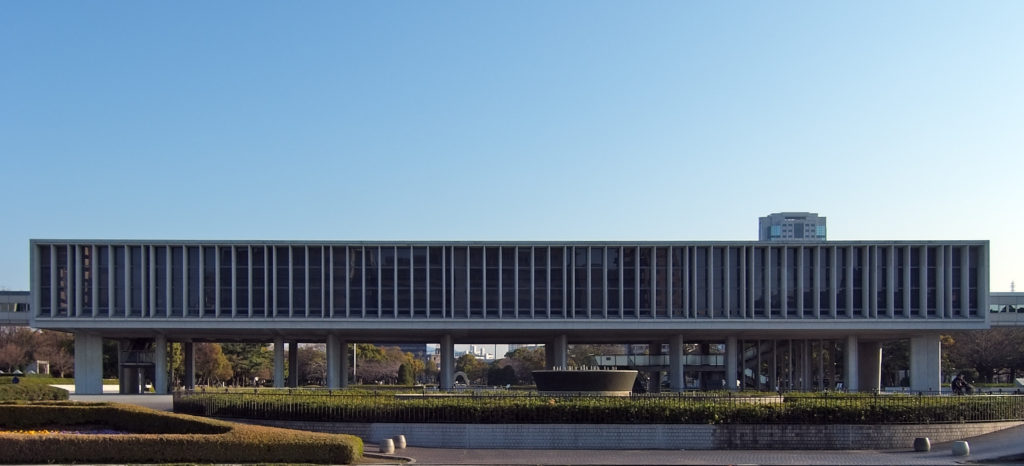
<point x="559" y="352"/>
<point x="870" y="366"/>
<point x="851" y="374"/>
<point x="925" y="363"/>
<point x="344" y="355"/>
<point x="677" y="361"/>
<point x="190" y="365"/>
<point x="333" y="361"/>
<point x="731" y="359"/>
<point x="447" y="363"/>
<point x="88" y="364"/>
<point x="654" y="379"/>
<point x="279" y="362"/>
<point x="293" y="364"/>
<point x="160" y="365"/>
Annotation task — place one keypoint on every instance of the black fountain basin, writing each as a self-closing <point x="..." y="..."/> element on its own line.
<point x="586" y="382"/>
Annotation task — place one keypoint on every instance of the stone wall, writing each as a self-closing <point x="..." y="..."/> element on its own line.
<point x="653" y="436"/>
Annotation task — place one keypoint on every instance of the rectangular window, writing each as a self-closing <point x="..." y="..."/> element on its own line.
<point x="159" y="268"/>
<point x="460" y="284"/>
<point x="614" y="287"/>
<point x="629" y="285"/>
<point x="525" y="283"/>
<point x="356" y="261"/>
<point x="436" y="256"/>
<point x="259" y="281"/>
<point x="557" y="282"/>
<point x="316" y="281"/>
<point x="596" y="266"/>
<point x="403" y="265"/>
<point x="242" y="280"/>
<point x="476" y="282"/>
<point x="209" y="274"/>
<point x="387" y="281"/>
<point x="859" y="306"/>
<point x="178" y="281"/>
<point x="580" y="298"/>
<point x="792" y="272"/>
<point x="282" y="280"/>
<point x="102" y="274"/>
<point x="119" y="281"/>
<point x="678" y="284"/>
<point x="646" y="280"/>
<point x="137" y="281"/>
<point x="661" y="280"/>
<point x="508" y="282"/>
<point x="371" y="277"/>
<point x="194" y="282"/>
<point x="419" y="282"/>
<point x="931" y="281"/>
<point x="540" y="282"/>
<point x="339" y="279"/>
<point x="226" y="255"/>
<point x="700" y="292"/>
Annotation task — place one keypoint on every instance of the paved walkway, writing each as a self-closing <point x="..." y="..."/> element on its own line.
<point x="983" y="448"/>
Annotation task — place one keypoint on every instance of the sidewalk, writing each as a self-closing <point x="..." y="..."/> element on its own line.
<point x="983" y="448"/>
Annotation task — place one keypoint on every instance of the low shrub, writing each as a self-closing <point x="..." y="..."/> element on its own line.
<point x="30" y="392"/>
<point x="159" y="437"/>
<point x="672" y="409"/>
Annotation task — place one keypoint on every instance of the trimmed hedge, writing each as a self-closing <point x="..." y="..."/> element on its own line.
<point x="30" y="392"/>
<point x="159" y="437"/>
<point x="833" y="409"/>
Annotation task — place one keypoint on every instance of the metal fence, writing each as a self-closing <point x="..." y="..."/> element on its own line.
<point x="531" y="408"/>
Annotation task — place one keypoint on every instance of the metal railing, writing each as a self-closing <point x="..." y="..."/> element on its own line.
<point x="688" y="408"/>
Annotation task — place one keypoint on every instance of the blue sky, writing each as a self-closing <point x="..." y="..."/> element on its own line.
<point x="510" y="120"/>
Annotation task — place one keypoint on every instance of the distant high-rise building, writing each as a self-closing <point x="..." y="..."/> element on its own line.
<point x="791" y="226"/>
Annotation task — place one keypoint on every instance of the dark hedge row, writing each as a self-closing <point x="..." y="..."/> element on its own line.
<point x="888" y="409"/>
<point x="158" y="438"/>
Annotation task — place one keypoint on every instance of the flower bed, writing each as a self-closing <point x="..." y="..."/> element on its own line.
<point x="155" y="437"/>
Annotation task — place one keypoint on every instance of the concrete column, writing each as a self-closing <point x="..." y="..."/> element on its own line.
<point x="447" y="363"/>
<point x="731" y="358"/>
<point x="160" y="365"/>
<point x="654" y="381"/>
<point x="851" y="373"/>
<point x="279" y="362"/>
<point x="559" y="352"/>
<point x="870" y="364"/>
<point x="88" y="364"/>
<point x="344" y="355"/>
<point x="293" y="364"/>
<point x="677" y="360"/>
<point x="190" y="364"/>
<point x="333" y="362"/>
<point x="925" y="363"/>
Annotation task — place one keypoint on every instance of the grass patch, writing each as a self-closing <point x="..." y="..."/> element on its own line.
<point x="158" y="437"/>
<point x="29" y="390"/>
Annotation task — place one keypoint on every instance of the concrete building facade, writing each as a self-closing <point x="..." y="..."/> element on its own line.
<point x="783" y="311"/>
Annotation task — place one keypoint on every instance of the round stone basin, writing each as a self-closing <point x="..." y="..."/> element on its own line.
<point x="585" y="382"/>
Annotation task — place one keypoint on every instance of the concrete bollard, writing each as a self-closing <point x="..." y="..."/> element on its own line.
<point x="922" y="444"/>
<point x="399" y="441"/>
<point x="961" y="448"/>
<point x="387" y="446"/>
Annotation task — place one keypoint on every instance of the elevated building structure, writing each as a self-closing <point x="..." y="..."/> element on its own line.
<point x="800" y="315"/>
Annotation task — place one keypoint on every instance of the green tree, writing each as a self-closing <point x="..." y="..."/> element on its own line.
<point x="312" y="364"/>
<point x="250" y="362"/>
<point x="501" y="374"/>
<point x="405" y="375"/>
<point x="524" y="361"/>
<point x="474" y="368"/>
<point x="212" y="366"/>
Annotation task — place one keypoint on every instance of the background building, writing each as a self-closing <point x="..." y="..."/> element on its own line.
<point x="791" y="226"/>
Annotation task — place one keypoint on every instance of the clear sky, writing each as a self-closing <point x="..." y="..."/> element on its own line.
<point x="501" y="120"/>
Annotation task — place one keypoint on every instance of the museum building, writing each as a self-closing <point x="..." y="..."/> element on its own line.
<point x="796" y="315"/>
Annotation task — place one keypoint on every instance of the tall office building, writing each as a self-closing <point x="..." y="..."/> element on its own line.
<point x="791" y="226"/>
